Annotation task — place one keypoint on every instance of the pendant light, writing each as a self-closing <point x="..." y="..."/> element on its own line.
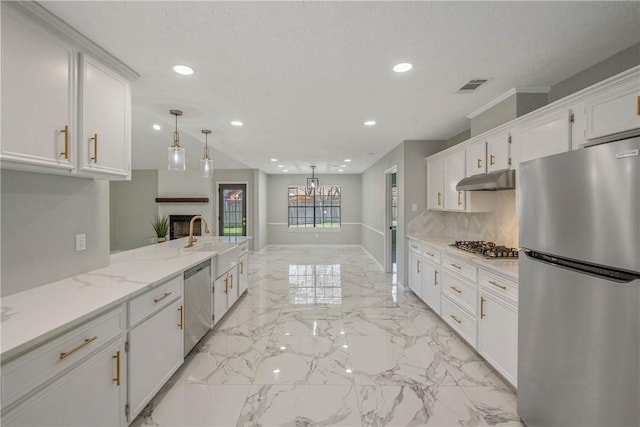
<point x="312" y="183"/>
<point x="176" y="158"/>
<point x="206" y="164"/>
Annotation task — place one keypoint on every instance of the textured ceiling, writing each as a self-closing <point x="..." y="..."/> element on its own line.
<point x="304" y="76"/>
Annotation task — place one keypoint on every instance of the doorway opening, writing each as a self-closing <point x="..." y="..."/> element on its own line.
<point x="232" y="209"/>
<point x="391" y="220"/>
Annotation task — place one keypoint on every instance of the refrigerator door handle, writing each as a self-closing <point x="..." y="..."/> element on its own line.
<point x="603" y="272"/>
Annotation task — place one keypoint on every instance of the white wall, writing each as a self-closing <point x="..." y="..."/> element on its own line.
<point x="41" y="214"/>
<point x="351" y="211"/>
<point x="261" y="199"/>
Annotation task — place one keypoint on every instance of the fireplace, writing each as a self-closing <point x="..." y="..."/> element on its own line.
<point x="179" y="226"/>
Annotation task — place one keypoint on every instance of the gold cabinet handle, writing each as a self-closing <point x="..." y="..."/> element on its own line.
<point x="429" y="253"/>
<point x="231" y="286"/>
<point x="65" y="153"/>
<point x="456" y="266"/>
<point x="482" y="300"/>
<point x="491" y="159"/>
<point x="157" y="300"/>
<point x="498" y="285"/>
<point x="181" y="324"/>
<point x="435" y="277"/>
<point x="241" y="267"/>
<point x="439" y="196"/>
<point x="418" y="266"/>
<point x="638" y="110"/>
<point x="87" y="341"/>
<point x="117" y="357"/>
<point x="459" y="202"/>
<point x="455" y="318"/>
<point x="94" y="138"/>
<point x="479" y="163"/>
<point x="226" y="285"/>
<point x="456" y="289"/>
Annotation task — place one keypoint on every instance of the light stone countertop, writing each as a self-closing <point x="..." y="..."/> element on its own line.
<point x="36" y="315"/>
<point x="506" y="267"/>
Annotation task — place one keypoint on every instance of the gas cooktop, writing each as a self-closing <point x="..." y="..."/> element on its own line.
<point x="486" y="249"/>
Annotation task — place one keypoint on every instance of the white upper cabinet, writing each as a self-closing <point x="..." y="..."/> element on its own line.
<point x="105" y="144"/>
<point x="64" y="112"/>
<point x="545" y="135"/>
<point x="498" y="152"/>
<point x="38" y="90"/>
<point x="613" y="112"/>
<point x="454" y="172"/>
<point x="435" y="184"/>
<point x="477" y="158"/>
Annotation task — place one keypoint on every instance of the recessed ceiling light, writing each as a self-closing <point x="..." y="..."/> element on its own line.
<point x="183" y="69"/>
<point x="276" y="371"/>
<point x="280" y="166"/>
<point x="370" y="123"/>
<point x="236" y="123"/>
<point x="402" y="68"/>
<point x="286" y="170"/>
<point x="343" y="166"/>
<point x="157" y="126"/>
<point x="274" y="160"/>
<point x="340" y="170"/>
<point x="347" y="160"/>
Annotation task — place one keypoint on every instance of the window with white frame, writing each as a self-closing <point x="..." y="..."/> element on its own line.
<point x="315" y="208"/>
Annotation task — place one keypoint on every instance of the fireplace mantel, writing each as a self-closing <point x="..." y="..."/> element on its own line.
<point x="182" y="200"/>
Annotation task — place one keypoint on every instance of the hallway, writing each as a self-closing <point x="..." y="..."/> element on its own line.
<point x="324" y="337"/>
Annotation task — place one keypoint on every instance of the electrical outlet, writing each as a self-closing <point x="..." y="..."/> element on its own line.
<point x="414" y="207"/>
<point x="81" y="242"/>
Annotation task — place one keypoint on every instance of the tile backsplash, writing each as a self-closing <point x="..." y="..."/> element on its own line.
<point x="500" y="225"/>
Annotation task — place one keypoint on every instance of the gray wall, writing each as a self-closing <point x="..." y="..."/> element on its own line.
<point x="41" y="215"/>
<point x="611" y="66"/>
<point x="456" y="139"/>
<point x="133" y="206"/>
<point x="351" y="210"/>
<point x="511" y="108"/>
<point x="239" y="176"/>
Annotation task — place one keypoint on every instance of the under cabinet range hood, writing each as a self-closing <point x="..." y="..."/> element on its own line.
<point x="503" y="180"/>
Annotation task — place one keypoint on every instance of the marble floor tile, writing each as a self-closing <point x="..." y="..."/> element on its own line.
<point x="305" y="360"/>
<point x="224" y="359"/>
<point x="358" y="323"/>
<point x="496" y="406"/>
<point x="196" y="405"/>
<point x="301" y="405"/>
<point x="301" y="323"/>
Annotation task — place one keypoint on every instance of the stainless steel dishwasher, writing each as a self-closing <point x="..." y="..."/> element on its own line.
<point x="197" y="304"/>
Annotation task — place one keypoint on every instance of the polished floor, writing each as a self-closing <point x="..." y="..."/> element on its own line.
<point x="324" y="337"/>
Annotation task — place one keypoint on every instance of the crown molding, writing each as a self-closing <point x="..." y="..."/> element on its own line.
<point x="506" y="95"/>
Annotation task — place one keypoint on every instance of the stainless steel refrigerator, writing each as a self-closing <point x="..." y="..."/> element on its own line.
<point x="579" y="280"/>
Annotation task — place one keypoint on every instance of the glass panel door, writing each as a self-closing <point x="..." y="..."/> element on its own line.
<point x="232" y="208"/>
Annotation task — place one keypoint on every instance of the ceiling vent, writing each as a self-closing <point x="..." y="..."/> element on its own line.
<point x="472" y="85"/>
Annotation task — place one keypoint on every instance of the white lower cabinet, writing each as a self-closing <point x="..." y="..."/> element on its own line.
<point x="498" y="334"/>
<point x="459" y="320"/>
<point x="92" y="394"/>
<point x="225" y="293"/>
<point x="431" y="287"/>
<point x="243" y="273"/>
<point x="156" y="345"/>
<point x="415" y="273"/>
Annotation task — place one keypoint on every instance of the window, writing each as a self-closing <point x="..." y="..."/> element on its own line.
<point x="314" y="209"/>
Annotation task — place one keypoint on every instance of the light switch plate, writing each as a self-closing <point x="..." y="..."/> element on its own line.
<point x="81" y="242"/>
<point x="414" y="207"/>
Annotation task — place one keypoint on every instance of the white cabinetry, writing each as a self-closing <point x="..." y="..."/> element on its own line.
<point x="415" y="273"/>
<point x="498" y="152"/>
<point x="498" y="324"/>
<point x="105" y="144"/>
<point x="156" y="344"/>
<point x="431" y="285"/>
<point x="243" y="272"/>
<point x="454" y="172"/>
<point x="477" y="158"/>
<point x="78" y="379"/>
<point x="545" y="135"/>
<point x="459" y="296"/>
<point x="435" y="183"/>
<point x="423" y="273"/>
<point x="38" y="89"/>
<point x="56" y="99"/>
<point x="615" y="111"/>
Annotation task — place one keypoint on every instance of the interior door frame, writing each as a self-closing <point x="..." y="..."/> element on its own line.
<point x="388" y="267"/>
<point x="246" y="201"/>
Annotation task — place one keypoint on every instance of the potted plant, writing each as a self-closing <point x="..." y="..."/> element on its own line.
<point x="161" y="227"/>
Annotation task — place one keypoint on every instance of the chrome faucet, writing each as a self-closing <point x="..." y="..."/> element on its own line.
<point x="192" y="238"/>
